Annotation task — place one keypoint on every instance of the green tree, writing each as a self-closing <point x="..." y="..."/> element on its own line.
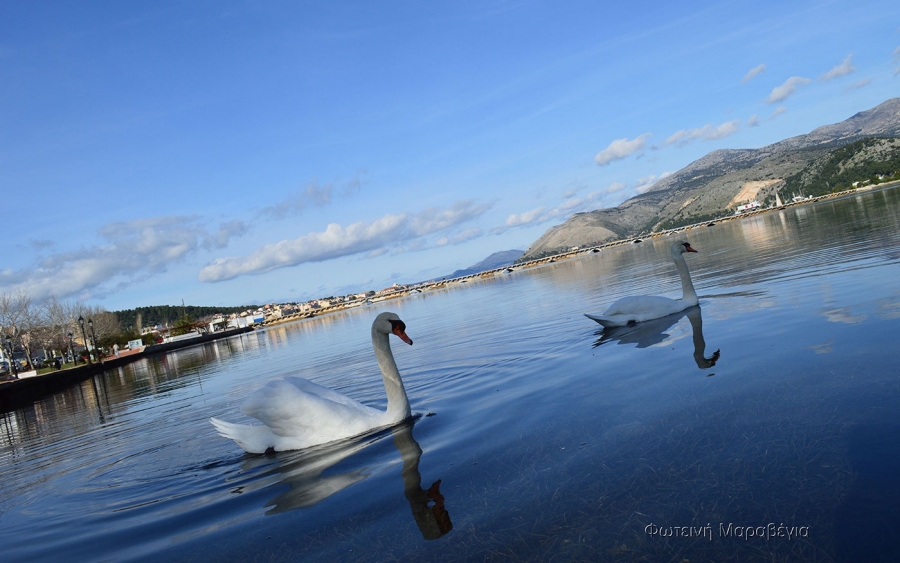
<point x="183" y="325"/>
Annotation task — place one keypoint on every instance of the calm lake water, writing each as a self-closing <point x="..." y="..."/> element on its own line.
<point x="551" y="439"/>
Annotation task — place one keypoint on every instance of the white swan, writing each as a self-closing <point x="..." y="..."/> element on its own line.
<point x="637" y="308"/>
<point x="297" y="413"/>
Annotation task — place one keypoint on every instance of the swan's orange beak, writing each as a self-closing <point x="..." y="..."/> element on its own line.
<point x="687" y="248"/>
<point x="402" y="334"/>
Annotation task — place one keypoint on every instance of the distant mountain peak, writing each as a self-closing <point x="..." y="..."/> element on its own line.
<point x="708" y="187"/>
<point x="496" y="260"/>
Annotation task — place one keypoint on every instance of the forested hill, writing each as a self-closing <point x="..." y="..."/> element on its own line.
<point x="865" y="160"/>
<point x="162" y="314"/>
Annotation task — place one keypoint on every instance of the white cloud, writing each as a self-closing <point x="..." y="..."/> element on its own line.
<point x="751" y="74"/>
<point x="857" y="85"/>
<point x="707" y="132"/>
<point x="536" y="215"/>
<point x="780" y="93"/>
<point x="721" y="131"/>
<point x="897" y="54"/>
<point x="434" y="219"/>
<point x="376" y="253"/>
<point x="315" y="195"/>
<point x="131" y="251"/>
<point x="372" y="237"/>
<point x="753" y="121"/>
<point x="621" y="148"/>
<point x="335" y="241"/>
<point x="460" y="238"/>
<point x="38" y="245"/>
<point x="543" y="214"/>
<point x="643" y="185"/>
<point x="846" y="67"/>
<point x="227" y="231"/>
<point x="574" y="205"/>
<point x="778" y="111"/>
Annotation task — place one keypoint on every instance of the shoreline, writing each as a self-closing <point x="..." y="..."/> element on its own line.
<point x="19" y="393"/>
<point x="537" y="262"/>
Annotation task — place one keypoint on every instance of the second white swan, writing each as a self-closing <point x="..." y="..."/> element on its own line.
<point x="297" y="413"/>
<point x="637" y="308"/>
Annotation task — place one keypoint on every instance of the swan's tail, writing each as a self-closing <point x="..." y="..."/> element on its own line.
<point x="254" y="439"/>
<point x="605" y="321"/>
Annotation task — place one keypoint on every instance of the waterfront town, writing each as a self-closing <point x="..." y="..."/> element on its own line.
<point x="41" y="339"/>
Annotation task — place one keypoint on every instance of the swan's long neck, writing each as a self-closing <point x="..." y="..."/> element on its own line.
<point x="689" y="296"/>
<point x="397" y="401"/>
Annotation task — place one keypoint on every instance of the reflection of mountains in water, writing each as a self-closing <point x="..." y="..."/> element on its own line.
<point x="652" y="332"/>
<point x="304" y="473"/>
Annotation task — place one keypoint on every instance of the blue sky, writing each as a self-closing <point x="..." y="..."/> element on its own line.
<point x="227" y="153"/>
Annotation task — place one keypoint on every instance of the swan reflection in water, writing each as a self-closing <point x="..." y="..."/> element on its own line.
<point x="303" y="472"/>
<point x="649" y="333"/>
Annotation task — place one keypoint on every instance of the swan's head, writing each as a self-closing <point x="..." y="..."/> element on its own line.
<point x="681" y="247"/>
<point x="390" y="323"/>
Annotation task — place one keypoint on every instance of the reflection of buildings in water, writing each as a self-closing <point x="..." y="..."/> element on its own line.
<point x="276" y="337"/>
<point x="102" y="397"/>
<point x="76" y="409"/>
<point x="754" y="230"/>
<point x="650" y="333"/>
<point x="303" y="472"/>
<point x="782" y="218"/>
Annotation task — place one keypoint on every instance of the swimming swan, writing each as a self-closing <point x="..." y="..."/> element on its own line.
<point x="297" y="413"/>
<point x="637" y="308"/>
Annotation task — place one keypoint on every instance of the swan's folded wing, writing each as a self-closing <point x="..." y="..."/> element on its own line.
<point x="291" y="409"/>
<point x="308" y="386"/>
<point x="605" y="321"/>
<point x="644" y="305"/>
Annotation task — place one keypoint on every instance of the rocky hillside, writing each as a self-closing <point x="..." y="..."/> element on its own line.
<point x="828" y="159"/>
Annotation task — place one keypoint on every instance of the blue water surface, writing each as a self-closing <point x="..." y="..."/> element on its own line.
<point x="772" y="407"/>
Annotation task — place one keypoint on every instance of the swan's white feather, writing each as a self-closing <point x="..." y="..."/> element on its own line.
<point x="294" y="407"/>
<point x="640" y="308"/>
<point x="297" y="413"/>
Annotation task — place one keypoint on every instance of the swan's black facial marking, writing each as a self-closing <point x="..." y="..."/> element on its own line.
<point x="398" y="327"/>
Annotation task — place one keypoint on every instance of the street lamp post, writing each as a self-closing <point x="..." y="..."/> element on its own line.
<point x="12" y="360"/>
<point x="71" y="348"/>
<point x="94" y="341"/>
<point x="84" y="336"/>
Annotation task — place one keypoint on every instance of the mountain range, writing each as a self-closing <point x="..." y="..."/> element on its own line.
<point x="494" y="261"/>
<point x="826" y="160"/>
